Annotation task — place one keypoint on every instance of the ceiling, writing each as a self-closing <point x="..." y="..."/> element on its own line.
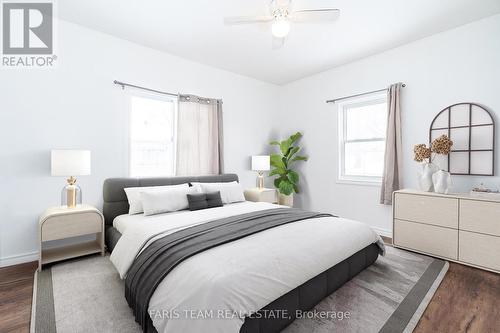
<point x="194" y="30"/>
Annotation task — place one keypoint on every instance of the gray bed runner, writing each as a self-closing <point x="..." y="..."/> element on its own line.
<point x="161" y="256"/>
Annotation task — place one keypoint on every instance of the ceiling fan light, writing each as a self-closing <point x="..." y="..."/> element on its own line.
<point x="280" y="28"/>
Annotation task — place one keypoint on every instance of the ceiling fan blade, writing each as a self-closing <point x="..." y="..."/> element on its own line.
<point x="278" y="43"/>
<point x="235" y="20"/>
<point x="315" y="15"/>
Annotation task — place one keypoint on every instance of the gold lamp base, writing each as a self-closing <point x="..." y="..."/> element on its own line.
<point x="260" y="180"/>
<point x="71" y="194"/>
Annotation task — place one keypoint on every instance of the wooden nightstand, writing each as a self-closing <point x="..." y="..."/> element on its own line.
<point x="61" y="223"/>
<point x="261" y="195"/>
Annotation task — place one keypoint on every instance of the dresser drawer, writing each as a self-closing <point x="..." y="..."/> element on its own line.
<point x="427" y="209"/>
<point x="426" y="238"/>
<point x="65" y="226"/>
<point x="480" y="216"/>
<point x="481" y="250"/>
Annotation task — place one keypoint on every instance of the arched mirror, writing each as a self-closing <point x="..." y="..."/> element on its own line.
<point x="472" y="130"/>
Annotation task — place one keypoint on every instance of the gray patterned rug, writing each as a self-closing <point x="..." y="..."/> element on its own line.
<point x="87" y="295"/>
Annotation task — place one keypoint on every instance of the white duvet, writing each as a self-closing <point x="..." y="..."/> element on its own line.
<point x="213" y="291"/>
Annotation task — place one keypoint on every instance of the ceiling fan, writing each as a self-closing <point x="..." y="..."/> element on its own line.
<point x="281" y="15"/>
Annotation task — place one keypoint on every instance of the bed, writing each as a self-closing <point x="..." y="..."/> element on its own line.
<point x="266" y="278"/>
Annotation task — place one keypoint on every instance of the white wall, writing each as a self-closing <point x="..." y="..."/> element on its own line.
<point x="460" y="65"/>
<point x="77" y="106"/>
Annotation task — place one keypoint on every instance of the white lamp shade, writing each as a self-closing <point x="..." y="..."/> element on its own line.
<point x="260" y="163"/>
<point x="70" y="162"/>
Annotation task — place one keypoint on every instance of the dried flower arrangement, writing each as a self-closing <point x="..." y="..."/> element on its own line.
<point x="421" y="152"/>
<point x="441" y="146"/>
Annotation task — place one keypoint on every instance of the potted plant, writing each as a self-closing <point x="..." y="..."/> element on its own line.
<point x="425" y="155"/>
<point x="282" y="164"/>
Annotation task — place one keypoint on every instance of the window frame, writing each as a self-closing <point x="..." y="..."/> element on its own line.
<point x="159" y="97"/>
<point x="342" y="108"/>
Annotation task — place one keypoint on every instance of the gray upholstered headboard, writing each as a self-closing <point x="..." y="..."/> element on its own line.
<point x="115" y="199"/>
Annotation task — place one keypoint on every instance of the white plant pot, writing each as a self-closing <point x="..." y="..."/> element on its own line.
<point x="285" y="200"/>
<point x="441" y="181"/>
<point x="425" y="182"/>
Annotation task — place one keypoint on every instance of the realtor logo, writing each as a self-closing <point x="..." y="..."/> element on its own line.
<point x="27" y="29"/>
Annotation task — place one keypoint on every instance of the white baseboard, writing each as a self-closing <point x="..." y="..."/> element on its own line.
<point x="383" y="232"/>
<point x="19" y="259"/>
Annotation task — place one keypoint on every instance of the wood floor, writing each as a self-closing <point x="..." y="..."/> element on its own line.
<point x="468" y="300"/>
<point x="16" y="291"/>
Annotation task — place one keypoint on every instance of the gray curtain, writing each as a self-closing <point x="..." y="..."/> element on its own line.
<point x="393" y="160"/>
<point x="199" y="136"/>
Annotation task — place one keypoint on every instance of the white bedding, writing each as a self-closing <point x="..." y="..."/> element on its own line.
<point x="240" y="277"/>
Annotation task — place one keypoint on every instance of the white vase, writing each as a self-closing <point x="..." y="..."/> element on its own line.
<point x="285" y="200"/>
<point x="425" y="176"/>
<point x="441" y="181"/>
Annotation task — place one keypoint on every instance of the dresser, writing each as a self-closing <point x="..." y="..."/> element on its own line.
<point x="456" y="227"/>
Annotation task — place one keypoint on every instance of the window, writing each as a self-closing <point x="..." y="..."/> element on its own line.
<point x="152" y="136"/>
<point x="362" y="127"/>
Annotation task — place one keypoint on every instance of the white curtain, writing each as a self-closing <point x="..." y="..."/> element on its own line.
<point x="392" y="179"/>
<point x="199" y="136"/>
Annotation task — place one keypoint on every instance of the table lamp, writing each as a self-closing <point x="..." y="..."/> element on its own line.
<point x="260" y="163"/>
<point x="70" y="163"/>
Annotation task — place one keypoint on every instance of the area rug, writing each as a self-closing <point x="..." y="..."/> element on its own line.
<point x="86" y="295"/>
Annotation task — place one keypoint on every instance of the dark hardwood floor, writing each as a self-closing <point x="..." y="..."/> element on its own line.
<point x="468" y="300"/>
<point x="16" y="291"/>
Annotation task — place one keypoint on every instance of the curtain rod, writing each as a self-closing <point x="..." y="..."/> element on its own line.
<point x="123" y="84"/>
<point x="370" y="92"/>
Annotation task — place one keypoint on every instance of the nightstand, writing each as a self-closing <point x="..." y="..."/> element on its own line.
<point x="58" y="223"/>
<point x="261" y="195"/>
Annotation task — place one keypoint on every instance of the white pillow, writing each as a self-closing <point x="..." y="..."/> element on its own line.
<point x="168" y="200"/>
<point x="134" y="195"/>
<point x="229" y="192"/>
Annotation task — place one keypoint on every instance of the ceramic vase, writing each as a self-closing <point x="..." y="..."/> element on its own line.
<point x="285" y="200"/>
<point x="441" y="181"/>
<point x="425" y="176"/>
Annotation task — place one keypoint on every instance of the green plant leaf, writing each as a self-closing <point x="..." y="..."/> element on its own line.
<point x="285" y="187"/>
<point x="278" y="171"/>
<point x="285" y="145"/>
<point x="274" y="143"/>
<point x="295" y="137"/>
<point x="277" y="182"/>
<point x="300" y="158"/>
<point x="293" y="177"/>
<point x="293" y="151"/>
<point x="276" y="161"/>
<point x="296" y="188"/>
<point x="274" y="172"/>
<point x="285" y="161"/>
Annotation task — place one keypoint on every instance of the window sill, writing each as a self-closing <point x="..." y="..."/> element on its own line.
<point x="359" y="182"/>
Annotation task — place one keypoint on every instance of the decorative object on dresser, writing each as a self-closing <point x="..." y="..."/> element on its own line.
<point x="70" y="163"/>
<point x="58" y="223"/>
<point x="441" y="181"/>
<point x="457" y="227"/>
<point x="486" y="193"/>
<point x="425" y="155"/>
<point x="472" y="129"/>
<point x="260" y="163"/>
<point x="261" y="195"/>
<point x="287" y="179"/>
